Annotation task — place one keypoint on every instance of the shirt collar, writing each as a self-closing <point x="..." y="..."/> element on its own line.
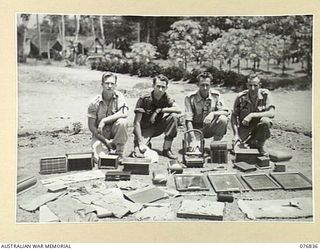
<point x="115" y="95"/>
<point x="162" y="97"/>
<point x="199" y="97"/>
<point x="260" y="96"/>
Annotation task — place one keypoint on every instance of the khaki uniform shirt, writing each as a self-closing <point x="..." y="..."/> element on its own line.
<point x="147" y="105"/>
<point x="197" y="107"/>
<point x="243" y="105"/>
<point x="98" y="108"/>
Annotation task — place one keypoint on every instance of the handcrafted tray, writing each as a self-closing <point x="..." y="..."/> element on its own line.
<point x="292" y="180"/>
<point x="260" y="182"/>
<point x="226" y="182"/>
<point x="191" y="182"/>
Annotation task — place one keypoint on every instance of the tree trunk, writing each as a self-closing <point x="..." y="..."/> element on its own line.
<point x="238" y="66"/>
<point x="247" y="63"/>
<point x="102" y="33"/>
<point x="48" y="49"/>
<point x="148" y="33"/>
<point x="23" y="52"/>
<point x="138" y="32"/>
<point x="39" y="37"/>
<point x="63" y="33"/>
<point x="309" y="64"/>
<point x="77" y="20"/>
<point x="92" y="27"/>
<point x="283" y="66"/>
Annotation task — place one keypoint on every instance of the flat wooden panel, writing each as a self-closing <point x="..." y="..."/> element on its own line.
<point x="146" y="195"/>
<point x="228" y="182"/>
<point x="292" y="180"/>
<point x="260" y="182"/>
<point x="191" y="182"/>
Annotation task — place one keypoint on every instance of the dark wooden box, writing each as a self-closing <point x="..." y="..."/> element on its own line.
<point x="114" y="175"/>
<point x="219" y="152"/>
<point x="136" y="165"/>
<point x="80" y="161"/>
<point x="279" y="167"/>
<point x="263" y="162"/>
<point x="108" y="161"/>
<point x="248" y="155"/>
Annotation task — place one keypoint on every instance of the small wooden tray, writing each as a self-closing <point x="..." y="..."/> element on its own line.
<point x="260" y="182"/>
<point x="292" y="180"/>
<point x="226" y="182"/>
<point x="191" y="182"/>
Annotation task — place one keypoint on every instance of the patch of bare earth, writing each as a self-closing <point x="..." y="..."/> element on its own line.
<point x="52" y="106"/>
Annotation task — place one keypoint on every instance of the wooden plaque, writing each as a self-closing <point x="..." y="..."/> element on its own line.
<point x="260" y="182"/>
<point x="226" y="182"/>
<point x="292" y="180"/>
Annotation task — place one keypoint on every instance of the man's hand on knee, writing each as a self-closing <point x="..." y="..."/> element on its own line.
<point x="208" y="119"/>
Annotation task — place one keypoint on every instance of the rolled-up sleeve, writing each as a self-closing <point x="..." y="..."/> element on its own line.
<point x="236" y="107"/>
<point x="269" y="102"/>
<point x="188" y="109"/>
<point x="220" y="104"/>
<point x="139" y="106"/>
<point x="92" y="110"/>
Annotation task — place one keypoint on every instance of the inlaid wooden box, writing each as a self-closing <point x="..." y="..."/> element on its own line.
<point x="80" y="161"/>
<point x="136" y="165"/>
<point x="219" y="152"/>
<point x="108" y="161"/>
<point x="53" y="165"/>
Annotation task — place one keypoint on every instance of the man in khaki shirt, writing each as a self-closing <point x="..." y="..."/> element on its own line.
<point x="251" y="117"/>
<point x="107" y="118"/>
<point x="204" y="110"/>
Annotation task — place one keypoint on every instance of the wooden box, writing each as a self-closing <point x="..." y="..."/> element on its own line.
<point x="136" y="165"/>
<point x="219" y="152"/>
<point x="263" y="162"/>
<point x="114" y="175"/>
<point x="248" y="155"/>
<point x="195" y="161"/>
<point x="53" y="165"/>
<point x="80" y="161"/>
<point x="108" y="161"/>
<point x="278" y="167"/>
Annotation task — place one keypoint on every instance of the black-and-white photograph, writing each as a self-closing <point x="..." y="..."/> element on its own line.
<point x="164" y="118"/>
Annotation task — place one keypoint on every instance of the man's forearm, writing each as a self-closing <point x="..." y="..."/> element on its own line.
<point x="269" y="114"/>
<point x="115" y="117"/>
<point x="221" y="112"/>
<point x="137" y="132"/>
<point x="97" y="135"/>
<point x="176" y="110"/>
<point x="189" y="126"/>
<point x="234" y="124"/>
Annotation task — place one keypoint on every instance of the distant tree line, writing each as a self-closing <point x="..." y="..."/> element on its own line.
<point x="222" y="40"/>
